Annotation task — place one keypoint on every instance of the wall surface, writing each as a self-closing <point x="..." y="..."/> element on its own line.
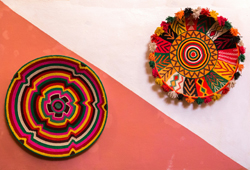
<point x="112" y="37"/>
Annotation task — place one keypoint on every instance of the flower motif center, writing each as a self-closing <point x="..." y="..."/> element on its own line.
<point x="58" y="105"/>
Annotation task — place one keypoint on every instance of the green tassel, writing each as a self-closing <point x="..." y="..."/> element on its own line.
<point x="228" y="25"/>
<point x="242" y="58"/>
<point x="152" y="64"/>
<point x="199" y="100"/>
<point x="170" y="19"/>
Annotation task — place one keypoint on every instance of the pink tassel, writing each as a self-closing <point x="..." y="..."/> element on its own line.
<point x="165" y="88"/>
<point x="225" y="90"/>
<point x="165" y="26"/>
<point x="154" y="72"/>
<point x="221" y="20"/>
<point x="154" y="38"/>
<point x="242" y="49"/>
<point x="207" y="100"/>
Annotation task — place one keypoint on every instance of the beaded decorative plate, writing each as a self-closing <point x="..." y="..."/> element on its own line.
<point x="56" y="106"/>
<point x="196" y="55"/>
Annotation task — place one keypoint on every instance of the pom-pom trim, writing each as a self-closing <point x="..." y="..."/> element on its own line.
<point x="195" y="14"/>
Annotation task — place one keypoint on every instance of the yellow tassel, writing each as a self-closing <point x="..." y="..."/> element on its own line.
<point x="189" y="99"/>
<point x="151" y="57"/>
<point x="216" y="96"/>
<point x="159" y="81"/>
<point x="214" y="14"/>
<point x="159" y="31"/>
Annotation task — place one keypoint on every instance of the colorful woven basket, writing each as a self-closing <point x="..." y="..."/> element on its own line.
<point x="56" y="106"/>
<point x="196" y="55"/>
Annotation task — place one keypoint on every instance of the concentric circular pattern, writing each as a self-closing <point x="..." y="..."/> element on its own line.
<point x="196" y="55"/>
<point x="191" y="56"/>
<point x="56" y="106"/>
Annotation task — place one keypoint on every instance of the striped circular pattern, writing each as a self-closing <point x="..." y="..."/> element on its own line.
<point x="192" y="54"/>
<point x="56" y="106"/>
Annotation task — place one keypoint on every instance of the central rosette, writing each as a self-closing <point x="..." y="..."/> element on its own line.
<point x="193" y="54"/>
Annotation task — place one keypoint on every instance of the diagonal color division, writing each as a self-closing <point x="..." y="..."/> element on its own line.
<point x="137" y="135"/>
